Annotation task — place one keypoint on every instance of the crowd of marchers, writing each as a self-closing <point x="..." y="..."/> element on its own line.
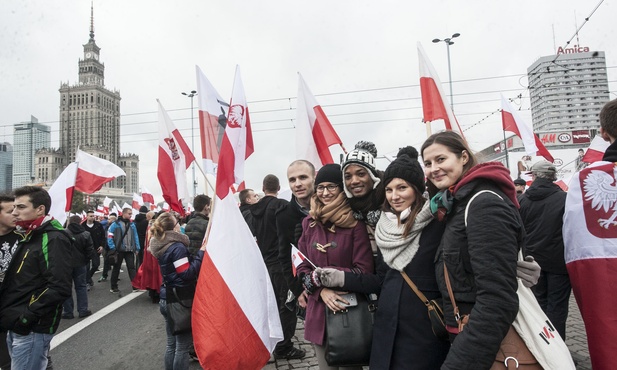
<point x="362" y="232"/>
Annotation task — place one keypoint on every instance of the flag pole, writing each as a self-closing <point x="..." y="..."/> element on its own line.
<point x="505" y="145"/>
<point x="205" y="177"/>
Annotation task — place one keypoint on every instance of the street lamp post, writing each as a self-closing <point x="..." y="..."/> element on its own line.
<point x="449" y="42"/>
<point x="192" y="95"/>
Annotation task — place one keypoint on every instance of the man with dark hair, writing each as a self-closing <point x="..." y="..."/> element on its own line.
<point x="123" y="243"/>
<point x="81" y="255"/>
<point x="141" y="223"/>
<point x="8" y="245"/>
<point x="264" y="214"/>
<point x="37" y="281"/>
<point x="97" y="233"/>
<point x="542" y="209"/>
<point x="196" y="228"/>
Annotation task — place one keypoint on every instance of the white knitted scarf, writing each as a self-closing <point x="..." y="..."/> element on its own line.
<point x="398" y="251"/>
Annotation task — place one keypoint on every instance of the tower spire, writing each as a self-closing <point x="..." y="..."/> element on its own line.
<point x="92" y="20"/>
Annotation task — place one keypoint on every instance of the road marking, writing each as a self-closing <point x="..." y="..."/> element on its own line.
<point x="69" y="332"/>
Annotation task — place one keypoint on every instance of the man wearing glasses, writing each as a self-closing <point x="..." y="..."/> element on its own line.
<point x="123" y="243"/>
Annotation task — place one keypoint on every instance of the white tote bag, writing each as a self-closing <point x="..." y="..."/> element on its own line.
<point x="531" y="323"/>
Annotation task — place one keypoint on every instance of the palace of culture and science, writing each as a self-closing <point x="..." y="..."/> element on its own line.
<point x="90" y="121"/>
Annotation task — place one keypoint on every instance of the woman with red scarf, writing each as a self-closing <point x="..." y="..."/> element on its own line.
<point x="479" y="247"/>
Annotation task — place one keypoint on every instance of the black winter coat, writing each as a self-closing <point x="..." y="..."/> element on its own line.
<point x="97" y="233"/>
<point x="402" y="335"/>
<point x="542" y="208"/>
<point x="264" y="221"/>
<point x="287" y="222"/>
<point x="195" y="229"/>
<point x="481" y="260"/>
<point x="141" y="224"/>
<point x="38" y="280"/>
<point x="83" y="243"/>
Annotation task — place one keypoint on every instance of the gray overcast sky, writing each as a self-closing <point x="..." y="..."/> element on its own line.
<point x="358" y="57"/>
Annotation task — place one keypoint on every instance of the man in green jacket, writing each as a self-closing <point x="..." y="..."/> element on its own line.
<point x="37" y="281"/>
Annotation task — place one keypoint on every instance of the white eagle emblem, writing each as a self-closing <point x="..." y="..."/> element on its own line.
<point x="236" y="116"/>
<point x="601" y="190"/>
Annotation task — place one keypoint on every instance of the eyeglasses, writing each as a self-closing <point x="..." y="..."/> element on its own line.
<point x="331" y="188"/>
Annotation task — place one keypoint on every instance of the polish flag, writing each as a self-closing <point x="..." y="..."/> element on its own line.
<point x="146" y="195"/>
<point x="596" y="150"/>
<point x="435" y="104"/>
<point x="94" y="172"/>
<point x="513" y="122"/>
<point x="297" y="258"/>
<point x="61" y="193"/>
<point x="106" y="203"/>
<point x="590" y="241"/>
<point x="237" y="141"/>
<point x="314" y="132"/>
<point x="181" y="265"/>
<point x="165" y="207"/>
<point x="174" y="158"/>
<point x="137" y="201"/>
<point x="243" y="333"/>
<point x="212" y="121"/>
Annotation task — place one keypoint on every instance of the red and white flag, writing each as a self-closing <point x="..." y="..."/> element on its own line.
<point x="61" y="193"/>
<point x="237" y="141"/>
<point x="314" y="132"/>
<point x="174" y="158"/>
<point x="297" y="258"/>
<point x="596" y="150"/>
<point x="106" y="203"/>
<point x="137" y="201"/>
<point x="513" y="122"/>
<point x="244" y="333"/>
<point x="590" y="241"/>
<point x="146" y="195"/>
<point x="94" y="172"/>
<point x="435" y="104"/>
<point x="212" y="121"/>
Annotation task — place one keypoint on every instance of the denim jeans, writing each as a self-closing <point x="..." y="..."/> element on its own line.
<point x="178" y="346"/>
<point x="28" y="352"/>
<point x="81" y="291"/>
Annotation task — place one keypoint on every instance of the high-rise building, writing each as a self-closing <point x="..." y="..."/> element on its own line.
<point x="28" y="137"/>
<point x="568" y="90"/>
<point x="90" y="121"/>
<point x="6" y="166"/>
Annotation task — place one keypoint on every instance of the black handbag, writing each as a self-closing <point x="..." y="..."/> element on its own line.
<point x="435" y="313"/>
<point x="349" y="332"/>
<point x="179" y="312"/>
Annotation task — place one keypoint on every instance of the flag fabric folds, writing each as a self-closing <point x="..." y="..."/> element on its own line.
<point x="237" y="141"/>
<point x="314" y="132"/>
<point x="596" y="150"/>
<point x="137" y="201"/>
<point x="513" y="122"/>
<point x="235" y="315"/>
<point x="590" y="241"/>
<point x="174" y="158"/>
<point x="297" y="258"/>
<point x="146" y="195"/>
<point x="212" y="121"/>
<point x="435" y="104"/>
<point x="94" y="172"/>
<point x="61" y="193"/>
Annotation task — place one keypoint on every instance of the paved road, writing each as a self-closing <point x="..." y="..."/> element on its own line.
<point x="127" y="332"/>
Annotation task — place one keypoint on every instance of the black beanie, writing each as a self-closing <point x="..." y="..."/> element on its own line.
<point x="143" y="209"/>
<point x="406" y="167"/>
<point x="330" y="173"/>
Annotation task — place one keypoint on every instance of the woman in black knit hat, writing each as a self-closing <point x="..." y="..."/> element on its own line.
<point x="407" y="236"/>
<point x="331" y="237"/>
